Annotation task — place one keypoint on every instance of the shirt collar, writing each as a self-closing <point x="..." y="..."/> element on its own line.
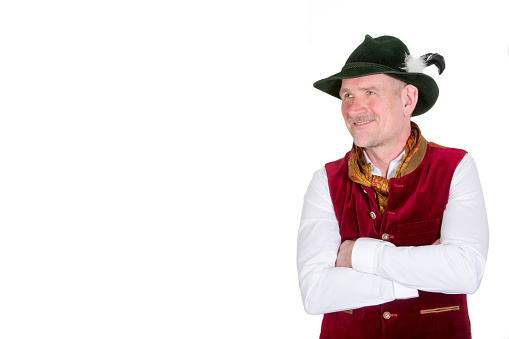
<point x="393" y="166"/>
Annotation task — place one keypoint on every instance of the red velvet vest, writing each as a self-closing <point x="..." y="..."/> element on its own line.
<point x="413" y="217"/>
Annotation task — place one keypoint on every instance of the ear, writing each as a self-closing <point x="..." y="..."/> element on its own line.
<point x="409" y="97"/>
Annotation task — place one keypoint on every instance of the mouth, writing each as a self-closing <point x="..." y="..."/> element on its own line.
<point x="360" y="123"/>
<point x="362" y="120"/>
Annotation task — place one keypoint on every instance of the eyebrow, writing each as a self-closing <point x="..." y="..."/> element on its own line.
<point x="363" y="89"/>
<point x="342" y="91"/>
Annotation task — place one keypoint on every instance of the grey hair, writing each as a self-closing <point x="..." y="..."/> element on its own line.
<point x="398" y="85"/>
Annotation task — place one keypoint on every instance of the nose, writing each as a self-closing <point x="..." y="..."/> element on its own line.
<point x="354" y="107"/>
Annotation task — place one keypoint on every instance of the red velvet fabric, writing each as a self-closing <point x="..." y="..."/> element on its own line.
<point x="413" y="217"/>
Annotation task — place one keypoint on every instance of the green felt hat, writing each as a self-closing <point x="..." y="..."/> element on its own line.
<point x="388" y="55"/>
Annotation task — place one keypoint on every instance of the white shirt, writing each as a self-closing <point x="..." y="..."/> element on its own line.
<point x="381" y="271"/>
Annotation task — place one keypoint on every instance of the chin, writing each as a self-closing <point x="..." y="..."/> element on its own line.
<point x="360" y="142"/>
<point x="363" y="143"/>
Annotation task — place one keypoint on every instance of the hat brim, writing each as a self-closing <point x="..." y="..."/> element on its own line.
<point x="428" y="89"/>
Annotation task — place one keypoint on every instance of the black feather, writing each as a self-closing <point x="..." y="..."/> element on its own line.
<point x="434" y="59"/>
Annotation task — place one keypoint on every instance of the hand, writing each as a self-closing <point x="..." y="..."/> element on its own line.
<point x="344" y="258"/>
<point x="437" y="242"/>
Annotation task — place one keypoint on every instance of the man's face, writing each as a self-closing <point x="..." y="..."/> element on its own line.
<point x="372" y="107"/>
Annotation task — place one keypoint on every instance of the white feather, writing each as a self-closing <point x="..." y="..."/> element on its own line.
<point x="413" y="64"/>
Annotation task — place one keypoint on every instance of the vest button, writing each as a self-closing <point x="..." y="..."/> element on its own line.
<point x="387" y="315"/>
<point x="385" y="236"/>
<point x="372" y="215"/>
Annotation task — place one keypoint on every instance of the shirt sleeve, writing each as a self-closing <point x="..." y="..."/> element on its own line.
<point x="457" y="264"/>
<point x="324" y="287"/>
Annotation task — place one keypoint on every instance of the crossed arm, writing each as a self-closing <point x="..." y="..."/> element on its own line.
<point x="344" y="258"/>
<point x="370" y="271"/>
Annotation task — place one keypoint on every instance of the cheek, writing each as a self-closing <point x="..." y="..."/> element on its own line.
<point x="383" y="113"/>
<point x="344" y="110"/>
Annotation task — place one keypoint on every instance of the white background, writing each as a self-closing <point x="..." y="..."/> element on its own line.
<point x="154" y="156"/>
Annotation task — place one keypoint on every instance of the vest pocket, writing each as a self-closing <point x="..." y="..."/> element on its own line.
<point x="418" y="233"/>
<point x="440" y="309"/>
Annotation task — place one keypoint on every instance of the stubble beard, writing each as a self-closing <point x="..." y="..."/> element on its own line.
<point x="369" y="142"/>
<point x="373" y="139"/>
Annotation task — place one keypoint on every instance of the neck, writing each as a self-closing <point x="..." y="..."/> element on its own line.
<point x="382" y="158"/>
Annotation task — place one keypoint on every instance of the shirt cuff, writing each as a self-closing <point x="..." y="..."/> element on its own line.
<point x="365" y="253"/>
<point x="403" y="292"/>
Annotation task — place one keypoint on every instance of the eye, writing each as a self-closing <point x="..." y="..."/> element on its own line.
<point x="371" y="92"/>
<point x="348" y="95"/>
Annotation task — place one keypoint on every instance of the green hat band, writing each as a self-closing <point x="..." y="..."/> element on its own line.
<point x="372" y="66"/>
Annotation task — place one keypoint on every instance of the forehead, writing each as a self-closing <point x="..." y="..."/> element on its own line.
<point x="369" y="81"/>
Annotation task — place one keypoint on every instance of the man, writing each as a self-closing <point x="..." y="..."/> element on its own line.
<point x="395" y="234"/>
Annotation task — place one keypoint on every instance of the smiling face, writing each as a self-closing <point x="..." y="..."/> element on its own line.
<point x="377" y="110"/>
